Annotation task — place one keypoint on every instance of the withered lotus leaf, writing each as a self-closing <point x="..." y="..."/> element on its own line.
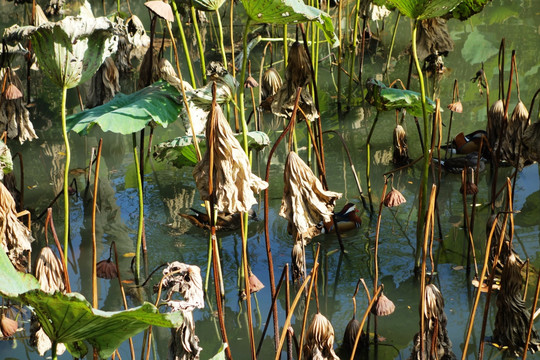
<point x="234" y="184"/>
<point x="49" y="271"/>
<point x="320" y="339"/>
<point x="305" y="203"/>
<point x="15" y="238"/>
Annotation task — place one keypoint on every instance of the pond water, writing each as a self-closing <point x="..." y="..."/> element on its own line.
<point x="169" y="191"/>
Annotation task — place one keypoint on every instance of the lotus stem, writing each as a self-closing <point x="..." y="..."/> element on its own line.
<point x="531" y="322"/>
<point x="378" y="228"/>
<point x="340" y="57"/>
<point x="94" y="204"/>
<point x="242" y="88"/>
<point x="478" y="292"/>
<point x="364" y="317"/>
<point x="308" y="298"/>
<point x="284" y="275"/>
<point x="66" y="175"/>
<point x="53" y="350"/>
<point x="199" y="41"/>
<point x="141" y="211"/>
<point x="285" y="47"/>
<point x="221" y="43"/>
<point x="425" y="174"/>
<point x="362" y="50"/>
<point x="368" y="160"/>
<point x="247" y="289"/>
<point x="184" y="43"/>
<point x="57" y="243"/>
<point x="351" y="67"/>
<point x="394" y="32"/>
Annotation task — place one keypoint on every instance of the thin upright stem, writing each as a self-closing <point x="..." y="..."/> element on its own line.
<point x="184" y="43"/>
<point x="94" y="205"/>
<point x="141" y="211"/>
<point x="199" y="42"/>
<point x="242" y="88"/>
<point x="221" y="44"/>
<point x="66" y="175"/>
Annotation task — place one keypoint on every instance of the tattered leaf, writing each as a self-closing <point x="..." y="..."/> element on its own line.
<point x="70" y="319"/>
<point x="385" y="98"/>
<point x="126" y="114"/>
<point x="290" y="12"/>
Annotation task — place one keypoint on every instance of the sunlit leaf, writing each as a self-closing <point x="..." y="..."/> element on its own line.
<point x="70" y="319"/>
<point x="221" y="353"/>
<point x="208" y="5"/>
<point x="126" y="114"/>
<point x="180" y="151"/>
<point x="290" y="12"/>
<point x="425" y="9"/>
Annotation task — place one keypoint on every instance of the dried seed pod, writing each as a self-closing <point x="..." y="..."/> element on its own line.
<point x="254" y="284"/>
<point x="456" y="107"/>
<point x="320" y="339"/>
<point x="251" y="83"/>
<point x="383" y="307"/>
<point x="394" y="198"/>
<point x="49" y="271"/>
<point x="106" y="269"/>
<point x="271" y="82"/>
<point x="349" y="338"/>
<point x="496" y="123"/>
<point x="8" y="326"/>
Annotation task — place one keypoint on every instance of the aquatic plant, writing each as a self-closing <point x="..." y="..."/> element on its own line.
<point x="69" y="51"/>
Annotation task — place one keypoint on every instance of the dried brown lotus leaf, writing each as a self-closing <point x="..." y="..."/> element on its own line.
<point x="234" y="183"/>
<point x="271" y="82"/>
<point x="49" y="271"/>
<point x="298" y="260"/>
<point x="305" y="203"/>
<point x="320" y="339"/>
<point x="513" y="136"/>
<point x="251" y="83"/>
<point x="15" y="238"/>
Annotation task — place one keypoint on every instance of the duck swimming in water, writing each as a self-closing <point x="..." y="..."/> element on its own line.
<point x="346" y="219"/>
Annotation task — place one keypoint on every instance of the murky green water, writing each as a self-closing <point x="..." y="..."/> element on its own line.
<point x="170" y="191"/>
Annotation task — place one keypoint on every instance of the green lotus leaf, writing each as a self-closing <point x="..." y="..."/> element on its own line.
<point x="290" y="12"/>
<point x="126" y="114"/>
<point x="467" y="9"/>
<point x="180" y="151"/>
<point x="208" y="5"/>
<point x="221" y="353"/>
<point x="70" y="319"/>
<point x="71" y="50"/>
<point x="385" y="98"/>
<point x="425" y="9"/>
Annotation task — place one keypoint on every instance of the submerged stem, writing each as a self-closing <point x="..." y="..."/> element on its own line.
<point x="66" y="175"/>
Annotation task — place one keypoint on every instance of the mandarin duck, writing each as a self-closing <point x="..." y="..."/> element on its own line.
<point x="346" y="219"/>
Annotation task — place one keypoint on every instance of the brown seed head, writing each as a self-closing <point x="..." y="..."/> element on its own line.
<point x="8" y="326"/>
<point x="251" y="83"/>
<point x="383" y="307"/>
<point x="12" y="93"/>
<point x="456" y="107"/>
<point x="394" y="198"/>
<point x="106" y="269"/>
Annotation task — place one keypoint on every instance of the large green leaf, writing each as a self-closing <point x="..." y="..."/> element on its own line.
<point x="288" y="12"/>
<point x="425" y="9"/>
<point x="70" y="319"/>
<point x="385" y="98"/>
<point x="208" y="5"/>
<point x="180" y="151"/>
<point x="126" y="114"/>
<point x="477" y="48"/>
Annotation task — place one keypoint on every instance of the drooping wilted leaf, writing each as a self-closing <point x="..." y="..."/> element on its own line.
<point x="320" y="340"/>
<point x="385" y="98"/>
<point x="71" y="50"/>
<point x="181" y="152"/>
<point x="234" y="183"/>
<point x="289" y="12"/>
<point x="305" y="203"/>
<point x="126" y="114"/>
<point x="425" y="9"/>
<point x="15" y="238"/>
<point x="70" y="319"/>
<point x="6" y="162"/>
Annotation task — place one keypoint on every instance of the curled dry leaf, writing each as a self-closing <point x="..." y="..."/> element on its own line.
<point x="496" y="123"/>
<point x="132" y="42"/>
<point x="298" y="260"/>
<point x="305" y="203"/>
<point x="251" y="82"/>
<point x="8" y="326"/>
<point x="14" y="117"/>
<point x="394" y="198"/>
<point x="512" y="319"/>
<point x="349" y="338"/>
<point x="456" y="107"/>
<point x="437" y="344"/>
<point x="254" y="284"/>
<point x="6" y="161"/>
<point x="320" y="339"/>
<point x="513" y="135"/>
<point x="271" y="82"/>
<point x="234" y="183"/>
<point x="187" y="281"/>
<point x="105" y="84"/>
<point x="401" y="149"/>
<point x="49" y="271"/>
<point x="15" y="238"/>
